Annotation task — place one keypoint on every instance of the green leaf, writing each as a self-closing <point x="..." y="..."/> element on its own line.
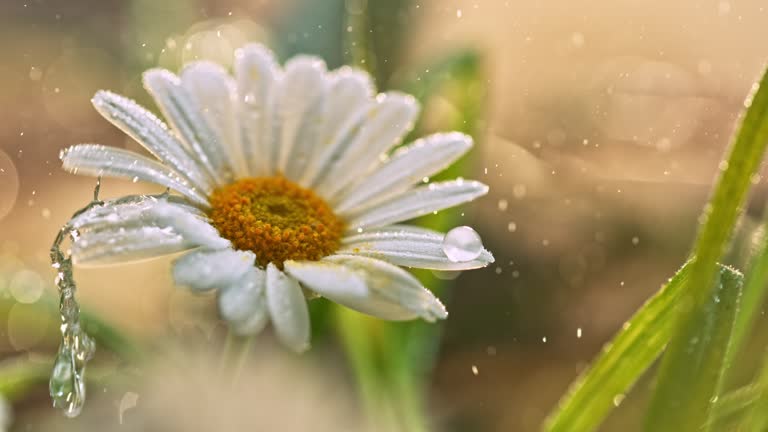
<point x="623" y="360"/>
<point x="693" y="368"/>
<point x="20" y="374"/>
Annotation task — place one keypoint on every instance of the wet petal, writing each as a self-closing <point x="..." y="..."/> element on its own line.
<point x="214" y="92"/>
<point x="128" y="211"/>
<point x="350" y="89"/>
<point x="299" y="108"/>
<point x="205" y="270"/>
<point x="369" y="286"/>
<point x="256" y="72"/>
<point x="386" y="124"/>
<point x="153" y="134"/>
<point x="126" y="244"/>
<point x="351" y="96"/>
<point x="99" y="160"/>
<point x="287" y="309"/>
<point x="417" y="202"/>
<point x="409" y="165"/>
<point x="243" y="304"/>
<point x="408" y="246"/>
<point x="140" y="227"/>
<point x="185" y="115"/>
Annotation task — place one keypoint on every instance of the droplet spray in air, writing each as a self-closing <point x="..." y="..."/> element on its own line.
<point x="462" y="244"/>
<point x="67" y="383"/>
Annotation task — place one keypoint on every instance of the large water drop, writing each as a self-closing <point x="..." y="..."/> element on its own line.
<point x="462" y="244"/>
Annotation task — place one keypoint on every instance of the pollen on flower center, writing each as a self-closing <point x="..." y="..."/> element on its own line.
<point x="276" y="219"/>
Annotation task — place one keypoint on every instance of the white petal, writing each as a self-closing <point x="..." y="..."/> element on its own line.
<point x="299" y="108"/>
<point x="417" y="202"/>
<point x="256" y="71"/>
<point x="189" y="225"/>
<point x="153" y="134"/>
<point x="392" y="117"/>
<point x="186" y="116"/>
<point x="98" y="160"/>
<point x="287" y="309"/>
<point x="351" y="94"/>
<point x="328" y="280"/>
<point x="350" y="89"/>
<point x="392" y="285"/>
<point x="410" y="164"/>
<point x="408" y="246"/>
<point x="161" y="211"/>
<point x="126" y="244"/>
<point x="205" y="270"/>
<point x="390" y="292"/>
<point x="330" y="154"/>
<point x="214" y="91"/>
<point x="243" y="304"/>
<point x="128" y="211"/>
<point x="139" y="227"/>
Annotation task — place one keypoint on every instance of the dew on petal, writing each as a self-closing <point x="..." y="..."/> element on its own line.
<point x="462" y="244"/>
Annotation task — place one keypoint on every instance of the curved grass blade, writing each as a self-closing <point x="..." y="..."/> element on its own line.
<point x="693" y="367"/>
<point x="721" y="212"/>
<point x="622" y="361"/>
<point x="733" y="405"/>
<point x="756" y="416"/>
<point x="718" y="223"/>
<point x="754" y="294"/>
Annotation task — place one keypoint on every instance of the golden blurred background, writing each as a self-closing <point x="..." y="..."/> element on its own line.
<point x="602" y="129"/>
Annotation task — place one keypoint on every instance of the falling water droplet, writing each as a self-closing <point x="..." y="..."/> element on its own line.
<point x="67" y="383"/>
<point x="462" y="244"/>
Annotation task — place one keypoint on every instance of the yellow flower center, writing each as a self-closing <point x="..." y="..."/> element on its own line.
<point x="276" y="219"/>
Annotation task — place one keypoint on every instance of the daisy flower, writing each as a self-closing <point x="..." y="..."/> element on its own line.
<point x="287" y="187"/>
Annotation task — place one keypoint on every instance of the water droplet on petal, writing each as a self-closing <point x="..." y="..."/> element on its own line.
<point x="462" y="244"/>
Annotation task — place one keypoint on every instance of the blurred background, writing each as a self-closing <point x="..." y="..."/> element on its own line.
<point x="600" y="126"/>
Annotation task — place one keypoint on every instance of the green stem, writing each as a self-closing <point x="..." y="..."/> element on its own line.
<point x="357" y="345"/>
<point x="357" y="43"/>
<point x="408" y="396"/>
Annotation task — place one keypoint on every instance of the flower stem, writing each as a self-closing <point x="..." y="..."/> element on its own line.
<point x="234" y="355"/>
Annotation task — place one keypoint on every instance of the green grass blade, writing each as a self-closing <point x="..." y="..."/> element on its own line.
<point x="756" y="415"/>
<point x="754" y="295"/>
<point x="718" y="223"/>
<point x="733" y="405"/>
<point x="720" y="215"/>
<point x="692" y="370"/>
<point x="621" y="363"/>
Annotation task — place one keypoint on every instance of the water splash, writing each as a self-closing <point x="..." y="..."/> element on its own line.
<point x="67" y="383"/>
